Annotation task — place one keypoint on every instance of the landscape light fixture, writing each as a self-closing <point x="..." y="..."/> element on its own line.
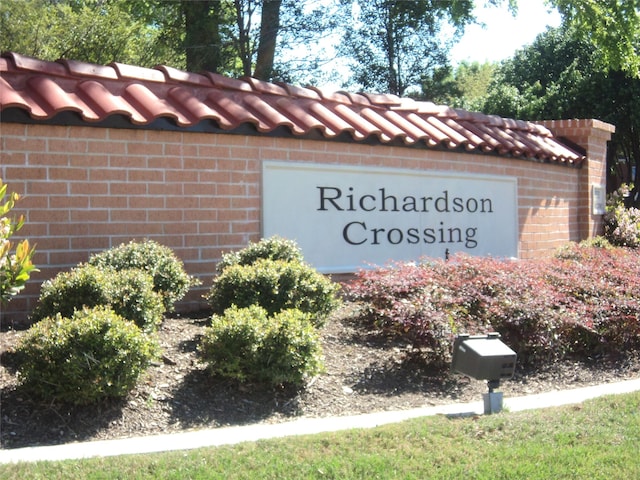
<point x="484" y="357"/>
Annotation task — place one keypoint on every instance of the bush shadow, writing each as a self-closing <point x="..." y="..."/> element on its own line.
<point x="409" y="376"/>
<point x="202" y="400"/>
<point x="360" y="331"/>
<point x="25" y="419"/>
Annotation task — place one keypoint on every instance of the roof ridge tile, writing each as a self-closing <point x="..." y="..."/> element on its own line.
<point x="300" y="92"/>
<point x="84" y="69"/>
<point x="405" y="104"/>
<point x="358" y="99"/>
<point x="24" y="62"/>
<point x="384" y="99"/>
<point x="133" y="72"/>
<point x="228" y="83"/>
<point x="430" y="108"/>
<point x="332" y="95"/>
<point x="180" y="76"/>
<point x="265" y="87"/>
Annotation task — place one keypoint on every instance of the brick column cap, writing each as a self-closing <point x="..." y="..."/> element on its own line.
<point x="560" y="126"/>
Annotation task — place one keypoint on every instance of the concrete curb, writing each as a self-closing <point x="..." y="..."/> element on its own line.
<point x="305" y="426"/>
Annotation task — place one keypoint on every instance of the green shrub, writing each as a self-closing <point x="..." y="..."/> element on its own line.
<point x="129" y="293"/>
<point x="245" y="344"/>
<point x="275" y="285"/>
<point x="273" y="248"/>
<point x="169" y="277"/>
<point x="93" y="355"/>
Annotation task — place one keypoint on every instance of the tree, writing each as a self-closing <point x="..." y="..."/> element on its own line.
<point x="97" y="31"/>
<point x="202" y="40"/>
<point x="268" y="51"/>
<point x="210" y="35"/>
<point x="466" y="86"/>
<point x="561" y="76"/>
<point x="269" y="28"/>
<point x="393" y="44"/>
<point x="611" y="26"/>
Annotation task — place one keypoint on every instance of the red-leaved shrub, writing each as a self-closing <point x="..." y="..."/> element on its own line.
<point x="584" y="301"/>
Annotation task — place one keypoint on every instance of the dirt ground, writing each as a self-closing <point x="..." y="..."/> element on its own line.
<point x="364" y="373"/>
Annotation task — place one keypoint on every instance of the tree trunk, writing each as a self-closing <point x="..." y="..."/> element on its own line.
<point x="202" y="36"/>
<point x="269" y="27"/>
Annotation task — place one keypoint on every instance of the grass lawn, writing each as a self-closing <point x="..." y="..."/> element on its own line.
<point x="596" y="440"/>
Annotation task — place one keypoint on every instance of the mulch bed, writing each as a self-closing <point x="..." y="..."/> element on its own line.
<point x="365" y="372"/>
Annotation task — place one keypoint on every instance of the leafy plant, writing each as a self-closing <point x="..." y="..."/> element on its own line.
<point x="274" y="285"/>
<point x="16" y="268"/>
<point x="93" y="355"/>
<point x="247" y="344"/>
<point x="129" y="293"/>
<point x="170" y="279"/>
<point x="582" y="302"/>
<point x="273" y="248"/>
<point x="622" y="224"/>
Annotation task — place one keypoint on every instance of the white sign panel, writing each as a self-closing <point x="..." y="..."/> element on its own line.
<point x="347" y="217"/>
<point x="598" y="200"/>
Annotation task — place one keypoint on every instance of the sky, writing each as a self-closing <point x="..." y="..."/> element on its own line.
<point x="503" y="34"/>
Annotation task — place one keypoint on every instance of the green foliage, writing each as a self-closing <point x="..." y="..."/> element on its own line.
<point x="92" y="30"/>
<point x="91" y="356"/>
<point x="15" y="269"/>
<point x="548" y="79"/>
<point x="267" y="303"/>
<point x="169" y="277"/>
<point x="596" y="242"/>
<point x="560" y="75"/>
<point x="622" y="223"/>
<point x="246" y="344"/>
<point x="273" y="248"/>
<point x="611" y="27"/>
<point x="583" y="302"/>
<point x="274" y="285"/>
<point x="128" y="292"/>
<point x="466" y="86"/>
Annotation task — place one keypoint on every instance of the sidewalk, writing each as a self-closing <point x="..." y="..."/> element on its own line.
<point x="306" y="426"/>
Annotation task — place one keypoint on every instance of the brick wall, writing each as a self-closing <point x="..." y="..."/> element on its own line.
<point x="593" y="136"/>
<point x="87" y="189"/>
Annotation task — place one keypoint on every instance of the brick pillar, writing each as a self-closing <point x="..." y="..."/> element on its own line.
<point x="592" y="135"/>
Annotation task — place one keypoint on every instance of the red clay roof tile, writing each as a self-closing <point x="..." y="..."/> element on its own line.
<point x="334" y="124"/>
<point x="412" y="132"/>
<point x="268" y="117"/>
<point x="143" y="95"/>
<point x="433" y="135"/>
<point x="23" y="62"/>
<point x="363" y="128"/>
<point x="52" y="97"/>
<point x="296" y="110"/>
<point x="391" y="130"/>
